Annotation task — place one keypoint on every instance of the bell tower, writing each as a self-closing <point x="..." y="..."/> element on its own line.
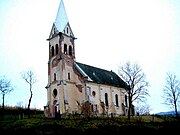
<point x="60" y="63"/>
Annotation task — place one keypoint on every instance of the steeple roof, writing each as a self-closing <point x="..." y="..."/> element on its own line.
<point x="61" y="17"/>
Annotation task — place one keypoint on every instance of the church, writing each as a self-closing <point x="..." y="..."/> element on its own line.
<point x="78" y="88"/>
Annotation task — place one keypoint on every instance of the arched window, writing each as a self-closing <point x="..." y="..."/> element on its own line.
<point x="116" y="99"/>
<point x="52" y="51"/>
<point x="70" y="50"/>
<point x="94" y="93"/>
<point x="57" y="49"/>
<point x="65" y="49"/>
<point x="69" y="77"/>
<point x="55" y="92"/>
<point x="106" y="99"/>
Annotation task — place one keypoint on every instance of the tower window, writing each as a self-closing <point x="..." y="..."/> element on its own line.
<point x="55" y="92"/>
<point x="70" y="50"/>
<point x="52" y="51"/>
<point x="54" y="31"/>
<point x="67" y="30"/>
<point x="116" y="99"/>
<point x="54" y="76"/>
<point x="106" y="99"/>
<point x="69" y="77"/>
<point x="57" y="49"/>
<point x="65" y="49"/>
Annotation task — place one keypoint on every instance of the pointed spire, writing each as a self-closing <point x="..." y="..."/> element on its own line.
<point x="61" y="17"/>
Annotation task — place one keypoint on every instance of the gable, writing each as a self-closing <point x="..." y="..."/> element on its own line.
<point x="102" y="76"/>
<point x="67" y="31"/>
<point x="53" y="31"/>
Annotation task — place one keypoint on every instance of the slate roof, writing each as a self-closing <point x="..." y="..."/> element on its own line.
<point x="101" y="76"/>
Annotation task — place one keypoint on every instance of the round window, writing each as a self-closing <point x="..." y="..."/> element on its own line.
<point x="55" y="92"/>
<point x="94" y="93"/>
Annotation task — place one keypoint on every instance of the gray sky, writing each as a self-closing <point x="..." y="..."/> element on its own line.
<point x="109" y="33"/>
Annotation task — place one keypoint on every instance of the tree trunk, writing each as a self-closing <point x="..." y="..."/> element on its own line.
<point x="176" y="110"/>
<point x="129" y="110"/>
<point x="29" y="102"/>
<point x="3" y="102"/>
<point x="2" y="116"/>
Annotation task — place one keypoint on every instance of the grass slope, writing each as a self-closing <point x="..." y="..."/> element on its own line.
<point x="93" y="126"/>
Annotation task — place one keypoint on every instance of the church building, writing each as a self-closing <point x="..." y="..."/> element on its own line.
<point x="78" y="88"/>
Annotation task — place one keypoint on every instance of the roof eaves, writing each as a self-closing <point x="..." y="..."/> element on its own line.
<point x="82" y="72"/>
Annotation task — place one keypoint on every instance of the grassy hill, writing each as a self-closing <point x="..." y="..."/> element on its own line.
<point x="49" y="126"/>
<point x="15" y="121"/>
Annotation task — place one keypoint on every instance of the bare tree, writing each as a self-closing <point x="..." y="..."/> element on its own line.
<point x="5" y="88"/>
<point x="133" y="75"/>
<point x="142" y="109"/>
<point x="30" y="78"/>
<point x="172" y="91"/>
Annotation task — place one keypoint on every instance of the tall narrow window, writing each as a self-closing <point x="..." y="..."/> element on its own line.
<point x="54" y="76"/>
<point x="54" y="31"/>
<point x="67" y="30"/>
<point x="57" y="49"/>
<point x="70" y="50"/>
<point x="116" y="98"/>
<point x="106" y="99"/>
<point x="69" y="77"/>
<point x="65" y="49"/>
<point x="52" y="51"/>
<point x="125" y="100"/>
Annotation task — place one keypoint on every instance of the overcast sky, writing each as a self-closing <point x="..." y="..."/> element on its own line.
<point x="109" y="33"/>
